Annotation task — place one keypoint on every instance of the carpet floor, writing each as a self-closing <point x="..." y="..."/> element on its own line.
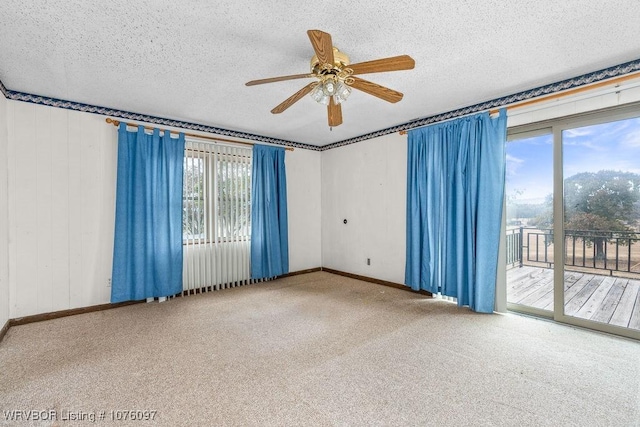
<point x="315" y="349"/>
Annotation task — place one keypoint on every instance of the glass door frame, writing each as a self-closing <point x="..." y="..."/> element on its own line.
<point x="556" y="127"/>
<point x="513" y="134"/>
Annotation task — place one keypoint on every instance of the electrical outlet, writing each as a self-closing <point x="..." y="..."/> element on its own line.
<point x="109" y="282"/>
<point x="368" y="261"/>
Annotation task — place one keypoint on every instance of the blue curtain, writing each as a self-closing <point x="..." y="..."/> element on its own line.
<point x="147" y="256"/>
<point x="455" y="190"/>
<point x="269" y="227"/>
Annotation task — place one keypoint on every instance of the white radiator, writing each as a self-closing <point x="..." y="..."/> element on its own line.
<point x="216" y="216"/>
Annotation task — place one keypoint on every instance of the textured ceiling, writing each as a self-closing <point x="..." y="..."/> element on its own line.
<point x="189" y="60"/>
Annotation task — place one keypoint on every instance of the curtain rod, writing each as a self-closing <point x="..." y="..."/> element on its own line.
<point x="193" y="135"/>
<point x="559" y="95"/>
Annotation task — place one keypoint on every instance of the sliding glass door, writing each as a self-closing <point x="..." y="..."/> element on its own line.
<point x="601" y="173"/>
<point x="573" y="220"/>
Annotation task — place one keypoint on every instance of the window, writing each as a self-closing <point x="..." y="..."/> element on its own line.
<point x="217" y="193"/>
<point x="193" y="217"/>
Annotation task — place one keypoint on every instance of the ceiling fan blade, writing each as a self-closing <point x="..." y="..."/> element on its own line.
<point x="323" y="46"/>
<point x="395" y="63"/>
<point x="293" y="98"/>
<point x="334" y="111"/>
<point x="278" y="79"/>
<point x="381" y="92"/>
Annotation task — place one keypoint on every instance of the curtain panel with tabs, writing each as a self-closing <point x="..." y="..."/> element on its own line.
<point x="147" y="257"/>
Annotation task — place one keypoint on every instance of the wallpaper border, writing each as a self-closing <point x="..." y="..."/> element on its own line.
<point x="585" y="79"/>
<point x="4" y="90"/>
<point x="127" y="115"/>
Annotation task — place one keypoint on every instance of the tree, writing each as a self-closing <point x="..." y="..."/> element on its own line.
<point x="193" y="221"/>
<point x="599" y="204"/>
<point x="545" y="218"/>
<point x="234" y="204"/>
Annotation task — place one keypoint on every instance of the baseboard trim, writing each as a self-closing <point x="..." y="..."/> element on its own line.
<point x="297" y="273"/>
<point x="70" y="312"/>
<point x="5" y="329"/>
<point x="376" y="281"/>
<point x="74" y="311"/>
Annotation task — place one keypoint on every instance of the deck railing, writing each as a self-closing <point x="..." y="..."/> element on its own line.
<point x="514" y="247"/>
<point x="603" y="250"/>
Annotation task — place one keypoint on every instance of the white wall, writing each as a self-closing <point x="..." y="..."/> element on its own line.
<point x="61" y="202"/>
<point x="62" y="167"/>
<point x="365" y="183"/>
<point x="4" y="227"/>
<point x="57" y="190"/>
<point x="304" y="208"/>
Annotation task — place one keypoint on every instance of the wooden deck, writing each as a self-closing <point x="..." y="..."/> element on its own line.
<point x="605" y="299"/>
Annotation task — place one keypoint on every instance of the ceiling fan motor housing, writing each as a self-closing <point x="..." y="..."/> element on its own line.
<point x="340" y="61"/>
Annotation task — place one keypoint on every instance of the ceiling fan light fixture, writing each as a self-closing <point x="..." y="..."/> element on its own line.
<point x="342" y="93"/>
<point x="330" y="87"/>
<point x="318" y="95"/>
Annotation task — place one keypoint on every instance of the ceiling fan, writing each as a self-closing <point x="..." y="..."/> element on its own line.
<point x="336" y="77"/>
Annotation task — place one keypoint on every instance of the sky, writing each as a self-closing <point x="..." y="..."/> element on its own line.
<point x="613" y="146"/>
